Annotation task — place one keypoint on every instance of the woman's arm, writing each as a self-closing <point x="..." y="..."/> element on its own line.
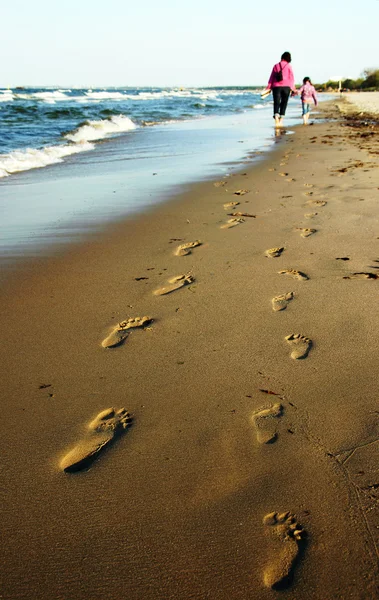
<point x="272" y="79"/>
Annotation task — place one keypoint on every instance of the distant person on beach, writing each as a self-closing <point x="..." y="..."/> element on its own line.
<point x="308" y="95"/>
<point x="281" y="83"/>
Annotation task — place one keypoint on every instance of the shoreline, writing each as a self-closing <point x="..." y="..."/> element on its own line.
<point x="118" y="179"/>
<point x="175" y="508"/>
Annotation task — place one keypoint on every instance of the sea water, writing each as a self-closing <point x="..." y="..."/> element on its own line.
<point x="75" y="159"/>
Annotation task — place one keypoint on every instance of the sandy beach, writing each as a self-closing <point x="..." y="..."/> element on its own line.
<point x="245" y="462"/>
<point x="366" y="102"/>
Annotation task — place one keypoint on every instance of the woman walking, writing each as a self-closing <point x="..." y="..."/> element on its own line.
<point x="282" y="83"/>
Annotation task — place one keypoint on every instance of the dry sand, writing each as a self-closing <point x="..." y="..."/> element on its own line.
<point x="364" y="101"/>
<point x="242" y="450"/>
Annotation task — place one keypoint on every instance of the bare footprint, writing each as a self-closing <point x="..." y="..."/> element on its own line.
<point x="175" y="283"/>
<point x="309" y="185"/>
<point x="294" y="273"/>
<point x="242" y="214"/>
<point x="220" y="183"/>
<point x="306" y="231"/>
<point x="241" y="192"/>
<point x="287" y="535"/>
<point x="186" y="248"/>
<point x="362" y="276"/>
<point x="102" y="430"/>
<point x="281" y="302"/>
<point x="232" y="223"/>
<point x="318" y="202"/>
<point x="300" y="345"/>
<point x="265" y="423"/>
<point x="274" y="252"/>
<point x="228" y="205"/>
<point x="311" y="215"/>
<point x="121" y="331"/>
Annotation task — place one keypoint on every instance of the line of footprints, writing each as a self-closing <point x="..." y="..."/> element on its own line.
<point x="288" y="535"/>
<point x="109" y="424"/>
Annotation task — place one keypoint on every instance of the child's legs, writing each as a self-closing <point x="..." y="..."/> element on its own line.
<point x="306" y="108"/>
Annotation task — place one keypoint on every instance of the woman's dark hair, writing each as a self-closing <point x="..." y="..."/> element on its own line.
<point x="307" y="79"/>
<point x="286" y="56"/>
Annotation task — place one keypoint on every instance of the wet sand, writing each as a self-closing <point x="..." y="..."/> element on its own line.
<point x="239" y="455"/>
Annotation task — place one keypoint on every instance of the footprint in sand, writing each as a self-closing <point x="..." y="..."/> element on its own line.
<point x="318" y="202"/>
<point x="186" y="248"/>
<point x="274" y="252"/>
<point x="228" y="205"/>
<point x="232" y="223"/>
<point x="294" y="273"/>
<point x="220" y="183"/>
<point x="311" y="215"/>
<point x="287" y="536"/>
<point x="102" y="430"/>
<point x="121" y="331"/>
<point x="300" y="345"/>
<point x="362" y="276"/>
<point x="175" y="283"/>
<point x="265" y="422"/>
<point x="281" y="302"/>
<point x="242" y="214"/>
<point x="241" y="192"/>
<point x="283" y="174"/>
<point x="306" y="231"/>
<point x="309" y="185"/>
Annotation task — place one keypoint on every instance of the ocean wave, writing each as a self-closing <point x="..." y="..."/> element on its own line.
<point x="6" y="96"/>
<point x="175" y="93"/>
<point x="105" y="95"/>
<point x="97" y="130"/>
<point x="31" y="158"/>
<point x="50" y="96"/>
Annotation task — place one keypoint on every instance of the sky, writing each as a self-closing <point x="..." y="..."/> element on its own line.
<point x="172" y="43"/>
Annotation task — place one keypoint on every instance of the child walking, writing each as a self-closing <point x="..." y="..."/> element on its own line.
<point x="307" y="93"/>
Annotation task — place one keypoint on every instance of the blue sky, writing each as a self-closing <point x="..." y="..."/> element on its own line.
<point x="197" y="43"/>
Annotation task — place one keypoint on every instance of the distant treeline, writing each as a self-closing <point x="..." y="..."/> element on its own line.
<point x="368" y="82"/>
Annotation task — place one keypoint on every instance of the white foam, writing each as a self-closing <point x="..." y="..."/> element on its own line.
<point x="48" y="96"/>
<point x="6" y="96"/>
<point x="97" y="130"/>
<point x="104" y="95"/>
<point x="23" y="160"/>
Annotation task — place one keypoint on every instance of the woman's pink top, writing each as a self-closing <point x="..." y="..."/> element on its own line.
<point x="288" y="76"/>
<point x="308" y="93"/>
